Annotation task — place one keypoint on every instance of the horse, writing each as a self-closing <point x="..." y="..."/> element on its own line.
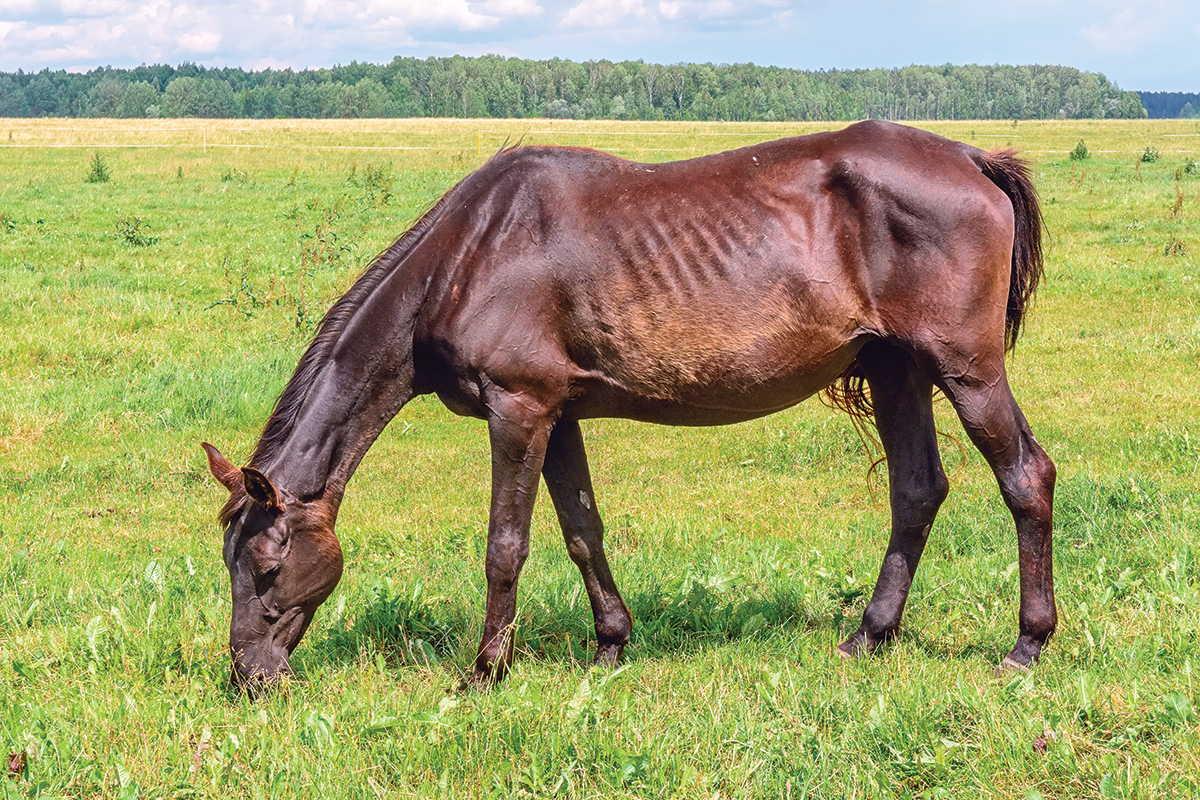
<point x="558" y="284"/>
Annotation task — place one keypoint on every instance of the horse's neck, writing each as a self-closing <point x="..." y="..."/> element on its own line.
<point x="353" y="393"/>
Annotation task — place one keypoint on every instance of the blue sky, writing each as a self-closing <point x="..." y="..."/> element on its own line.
<point x="1149" y="45"/>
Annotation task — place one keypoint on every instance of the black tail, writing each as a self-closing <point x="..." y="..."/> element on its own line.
<point x="1011" y="174"/>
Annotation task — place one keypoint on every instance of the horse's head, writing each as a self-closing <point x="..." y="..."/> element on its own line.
<point x="283" y="560"/>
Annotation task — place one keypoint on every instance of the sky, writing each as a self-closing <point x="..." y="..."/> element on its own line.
<point x="1146" y="45"/>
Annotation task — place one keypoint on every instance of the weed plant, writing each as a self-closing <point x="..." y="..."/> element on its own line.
<point x="135" y="231"/>
<point x="98" y="172"/>
<point x="745" y="553"/>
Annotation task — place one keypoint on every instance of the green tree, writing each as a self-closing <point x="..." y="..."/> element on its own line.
<point x="140" y="100"/>
<point x="43" y="95"/>
<point x="12" y="99"/>
<point x="198" y="97"/>
<point x="105" y="97"/>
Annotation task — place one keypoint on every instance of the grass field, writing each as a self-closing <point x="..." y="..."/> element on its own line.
<point x="169" y="305"/>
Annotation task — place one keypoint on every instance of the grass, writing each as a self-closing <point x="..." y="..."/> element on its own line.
<point x="169" y="305"/>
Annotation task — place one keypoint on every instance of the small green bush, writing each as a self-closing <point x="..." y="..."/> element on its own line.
<point x="1080" y="152"/>
<point x="1150" y="155"/>
<point x="134" y="231"/>
<point x="99" y="172"/>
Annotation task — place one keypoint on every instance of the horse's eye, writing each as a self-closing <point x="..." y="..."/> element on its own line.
<point x="265" y="579"/>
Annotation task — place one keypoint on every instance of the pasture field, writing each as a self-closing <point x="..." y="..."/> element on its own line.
<point x="169" y="304"/>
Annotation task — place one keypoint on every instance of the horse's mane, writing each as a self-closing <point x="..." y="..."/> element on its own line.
<point x="287" y="408"/>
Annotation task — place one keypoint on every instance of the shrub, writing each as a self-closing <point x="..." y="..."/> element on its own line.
<point x="134" y="231"/>
<point x="1080" y="152"/>
<point x="1150" y="155"/>
<point x="99" y="172"/>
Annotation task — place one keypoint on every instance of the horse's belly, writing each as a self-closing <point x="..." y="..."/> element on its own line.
<point x="715" y="378"/>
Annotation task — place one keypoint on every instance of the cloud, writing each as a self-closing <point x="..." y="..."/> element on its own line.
<point x="604" y="13"/>
<point x="612" y="13"/>
<point x="200" y="42"/>
<point x="25" y="10"/>
<point x="711" y="9"/>
<point x="509" y="8"/>
<point x="406" y="14"/>
<point x="1125" y="31"/>
<point x="60" y="33"/>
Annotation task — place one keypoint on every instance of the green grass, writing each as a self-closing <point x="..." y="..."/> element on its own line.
<point x="745" y="553"/>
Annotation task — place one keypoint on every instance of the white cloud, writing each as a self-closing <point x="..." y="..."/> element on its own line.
<point x="710" y="9"/>
<point x="604" y="13"/>
<point x="200" y="42"/>
<point x="611" y="13"/>
<point x="509" y="8"/>
<point x="1125" y="31"/>
<point x="37" y="9"/>
<point x="17" y="9"/>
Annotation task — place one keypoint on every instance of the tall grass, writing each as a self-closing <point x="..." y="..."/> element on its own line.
<point x="745" y="553"/>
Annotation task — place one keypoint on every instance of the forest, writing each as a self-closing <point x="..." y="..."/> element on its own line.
<point x="498" y="87"/>
<point x="1171" y="105"/>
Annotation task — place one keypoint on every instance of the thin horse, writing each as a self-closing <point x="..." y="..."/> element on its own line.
<point x="559" y="284"/>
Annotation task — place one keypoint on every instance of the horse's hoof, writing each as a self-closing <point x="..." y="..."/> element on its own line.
<point x="858" y="645"/>
<point x="607" y="655"/>
<point x="1010" y="667"/>
<point x="479" y="681"/>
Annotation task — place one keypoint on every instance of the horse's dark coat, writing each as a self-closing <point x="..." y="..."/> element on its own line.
<point x="559" y="284"/>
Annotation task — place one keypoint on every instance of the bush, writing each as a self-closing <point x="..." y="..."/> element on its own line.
<point x="1080" y="152"/>
<point x="1150" y="155"/>
<point x="135" y="231"/>
<point x="99" y="172"/>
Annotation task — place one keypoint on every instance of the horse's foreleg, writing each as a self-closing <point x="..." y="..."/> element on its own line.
<point x="903" y="400"/>
<point x="570" y="487"/>
<point x="1026" y="476"/>
<point x="518" y="434"/>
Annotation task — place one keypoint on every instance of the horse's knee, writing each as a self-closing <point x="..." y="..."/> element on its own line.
<point x="578" y="549"/>
<point x="504" y="561"/>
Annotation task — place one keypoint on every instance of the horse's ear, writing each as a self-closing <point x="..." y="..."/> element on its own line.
<point x="229" y="476"/>
<point x="260" y="489"/>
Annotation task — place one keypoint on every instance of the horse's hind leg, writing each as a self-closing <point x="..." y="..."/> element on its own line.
<point x="1026" y="475"/>
<point x="903" y="399"/>
<point x="570" y="486"/>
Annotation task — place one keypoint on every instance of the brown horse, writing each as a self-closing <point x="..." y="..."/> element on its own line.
<point x="559" y="284"/>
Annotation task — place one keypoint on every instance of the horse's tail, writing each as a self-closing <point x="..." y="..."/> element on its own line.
<point x="849" y="391"/>
<point x="1011" y="175"/>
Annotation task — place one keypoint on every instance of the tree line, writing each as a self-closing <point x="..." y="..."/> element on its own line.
<point x="494" y="86"/>
<point x="1171" y="105"/>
